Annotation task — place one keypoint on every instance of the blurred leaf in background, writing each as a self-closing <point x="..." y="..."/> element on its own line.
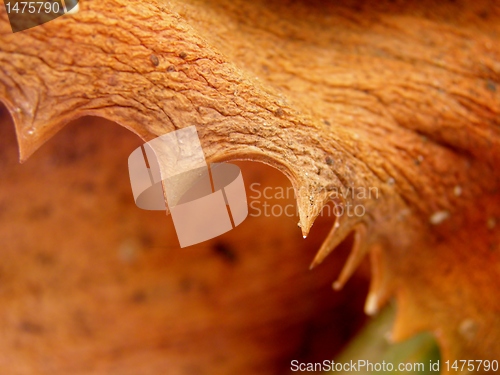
<point x="373" y="346"/>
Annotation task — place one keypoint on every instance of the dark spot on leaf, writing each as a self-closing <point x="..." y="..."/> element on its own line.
<point x="70" y="152"/>
<point x="183" y="55"/>
<point x="154" y="60"/>
<point x="483" y="14"/>
<point x="40" y="212"/>
<point x="186" y="285"/>
<point x="146" y="241"/>
<point x="87" y="187"/>
<point x="329" y="160"/>
<point x="45" y="259"/>
<point x="139" y="296"/>
<point x="112" y="80"/>
<point x="279" y="112"/>
<point x="171" y="68"/>
<point x="326" y="122"/>
<point x="490" y="85"/>
<point x="31" y="327"/>
<point x="225" y="252"/>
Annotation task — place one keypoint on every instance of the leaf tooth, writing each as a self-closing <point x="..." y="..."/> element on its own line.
<point x="358" y="252"/>
<point x="30" y="133"/>
<point x="310" y="202"/>
<point x="19" y="104"/>
<point x="27" y="145"/>
<point x="372" y="304"/>
<point x="337" y="234"/>
<point x="409" y="318"/>
<point x="379" y="292"/>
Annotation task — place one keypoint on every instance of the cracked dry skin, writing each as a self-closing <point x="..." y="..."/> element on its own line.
<point x="400" y="96"/>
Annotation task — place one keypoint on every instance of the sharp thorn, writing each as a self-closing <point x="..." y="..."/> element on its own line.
<point x="358" y="252"/>
<point x="336" y="235"/>
<point x="371" y="304"/>
<point x="379" y="292"/>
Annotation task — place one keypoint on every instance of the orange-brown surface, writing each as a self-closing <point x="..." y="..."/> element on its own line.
<point x="401" y="96"/>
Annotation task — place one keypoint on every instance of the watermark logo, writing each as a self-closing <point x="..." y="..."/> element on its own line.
<point x="27" y="14"/>
<point x="279" y="201"/>
<point x="204" y="201"/>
